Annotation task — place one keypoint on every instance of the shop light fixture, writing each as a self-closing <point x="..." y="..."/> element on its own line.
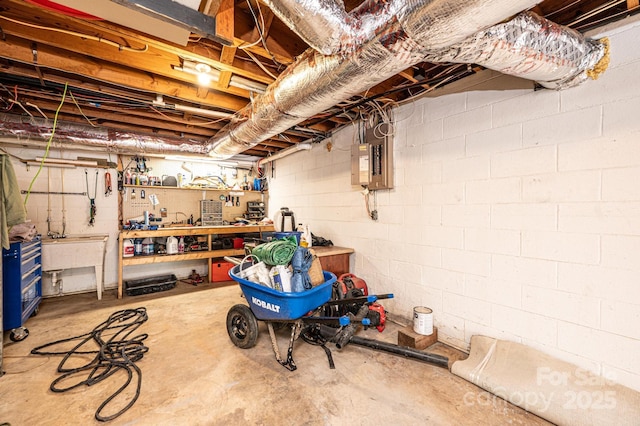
<point x="206" y="74"/>
<point x="203" y="72"/>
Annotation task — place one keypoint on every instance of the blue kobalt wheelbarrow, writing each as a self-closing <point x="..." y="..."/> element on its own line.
<point x="312" y="314"/>
<point x="282" y="308"/>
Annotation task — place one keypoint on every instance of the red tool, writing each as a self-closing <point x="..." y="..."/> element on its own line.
<point x="194" y="278"/>
<point x="377" y="315"/>
<point x="352" y="286"/>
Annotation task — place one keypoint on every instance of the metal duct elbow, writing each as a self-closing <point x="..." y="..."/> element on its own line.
<point x="320" y="23"/>
<point x="534" y="48"/>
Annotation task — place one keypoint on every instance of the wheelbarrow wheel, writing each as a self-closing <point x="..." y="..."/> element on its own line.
<point x="242" y="326"/>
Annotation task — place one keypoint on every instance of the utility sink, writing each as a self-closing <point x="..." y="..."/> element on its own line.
<point x="75" y="251"/>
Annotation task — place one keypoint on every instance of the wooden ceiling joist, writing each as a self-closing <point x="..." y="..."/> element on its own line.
<point x="48" y="57"/>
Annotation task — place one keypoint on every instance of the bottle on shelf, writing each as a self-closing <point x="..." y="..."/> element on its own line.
<point x="181" y="245"/>
<point x="128" y="249"/>
<point x="172" y="245"/>
<point x="148" y="246"/>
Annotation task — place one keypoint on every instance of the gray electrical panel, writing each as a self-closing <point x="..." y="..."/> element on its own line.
<point x="372" y="161"/>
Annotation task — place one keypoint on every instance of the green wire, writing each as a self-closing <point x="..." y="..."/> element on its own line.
<point x="46" y="152"/>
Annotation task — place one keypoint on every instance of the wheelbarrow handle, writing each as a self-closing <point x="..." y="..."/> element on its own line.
<point x="342" y="321"/>
<point x="360" y="299"/>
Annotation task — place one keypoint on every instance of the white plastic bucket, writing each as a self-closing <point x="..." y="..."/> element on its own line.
<point x="423" y="320"/>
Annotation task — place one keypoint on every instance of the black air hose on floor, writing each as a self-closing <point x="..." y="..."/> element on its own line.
<point x="117" y="350"/>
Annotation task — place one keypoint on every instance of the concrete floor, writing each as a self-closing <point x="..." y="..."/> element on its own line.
<point x="194" y="375"/>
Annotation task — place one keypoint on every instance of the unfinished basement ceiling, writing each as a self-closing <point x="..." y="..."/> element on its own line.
<point x="127" y="84"/>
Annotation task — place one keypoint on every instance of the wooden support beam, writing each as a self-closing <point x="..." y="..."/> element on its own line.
<point x="150" y="61"/>
<point x="197" y="52"/>
<point x="226" y="56"/>
<point x="48" y="57"/>
<point x="133" y="117"/>
<point x="223" y="11"/>
<point x="632" y="4"/>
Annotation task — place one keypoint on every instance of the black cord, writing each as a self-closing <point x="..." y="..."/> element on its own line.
<point x="312" y="336"/>
<point x="119" y="352"/>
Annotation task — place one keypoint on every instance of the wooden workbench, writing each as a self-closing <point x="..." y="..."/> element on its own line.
<point x="334" y="259"/>
<point x="181" y="231"/>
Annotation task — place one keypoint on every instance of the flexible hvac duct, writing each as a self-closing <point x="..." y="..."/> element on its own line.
<point x="320" y="23"/>
<point x="95" y="137"/>
<point x="396" y="36"/>
<point x="327" y="28"/>
<point x="533" y="48"/>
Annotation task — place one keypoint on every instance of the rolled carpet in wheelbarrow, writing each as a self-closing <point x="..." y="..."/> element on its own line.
<point x="555" y="390"/>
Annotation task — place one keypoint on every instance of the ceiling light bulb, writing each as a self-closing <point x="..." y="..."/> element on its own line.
<point x="204" y="79"/>
<point x="203" y="68"/>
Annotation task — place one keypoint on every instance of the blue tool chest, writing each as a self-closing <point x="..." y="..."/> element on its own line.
<point x="21" y="283"/>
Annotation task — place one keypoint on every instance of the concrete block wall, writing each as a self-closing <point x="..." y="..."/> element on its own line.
<point x="515" y="214"/>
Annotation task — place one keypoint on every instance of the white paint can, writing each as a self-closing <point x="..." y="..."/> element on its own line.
<point x="423" y="320"/>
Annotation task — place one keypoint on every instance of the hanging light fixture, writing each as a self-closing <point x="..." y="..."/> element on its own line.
<point x="206" y="74"/>
<point x="203" y="73"/>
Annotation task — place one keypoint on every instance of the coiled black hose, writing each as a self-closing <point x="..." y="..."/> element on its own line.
<point x="118" y="352"/>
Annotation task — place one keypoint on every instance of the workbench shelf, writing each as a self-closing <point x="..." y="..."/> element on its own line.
<point x="195" y="255"/>
<point x="209" y="231"/>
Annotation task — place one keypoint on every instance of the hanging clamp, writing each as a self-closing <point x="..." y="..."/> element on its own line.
<point x="107" y="184"/>
<point x="92" y="201"/>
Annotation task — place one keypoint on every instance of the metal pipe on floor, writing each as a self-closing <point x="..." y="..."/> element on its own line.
<point x="439" y="360"/>
<point x="333" y="335"/>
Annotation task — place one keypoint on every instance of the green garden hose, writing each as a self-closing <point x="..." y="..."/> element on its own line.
<point x="277" y="252"/>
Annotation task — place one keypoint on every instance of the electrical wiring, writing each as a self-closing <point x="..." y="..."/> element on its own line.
<point x="15" y="101"/>
<point x="76" y="34"/>
<point x="129" y="103"/>
<point x="373" y="214"/>
<point x="259" y="27"/>
<point x="37" y="109"/>
<point x="114" y="350"/>
<point x="15" y="95"/>
<point x="260" y="64"/>
<point x="80" y="109"/>
<point x="261" y="30"/>
<point x="595" y="11"/>
<point x="610" y="18"/>
<point x="46" y="151"/>
<point x="421" y="84"/>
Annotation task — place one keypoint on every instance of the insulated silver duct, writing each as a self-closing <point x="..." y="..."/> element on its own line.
<point x="113" y="141"/>
<point x="320" y="23"/>
<point x="534" y="48"/>
<point x="327" y="28"/>
<point x="392" y="35"/>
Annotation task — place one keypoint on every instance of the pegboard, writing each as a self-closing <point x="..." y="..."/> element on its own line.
<point x="181" y="203"/>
